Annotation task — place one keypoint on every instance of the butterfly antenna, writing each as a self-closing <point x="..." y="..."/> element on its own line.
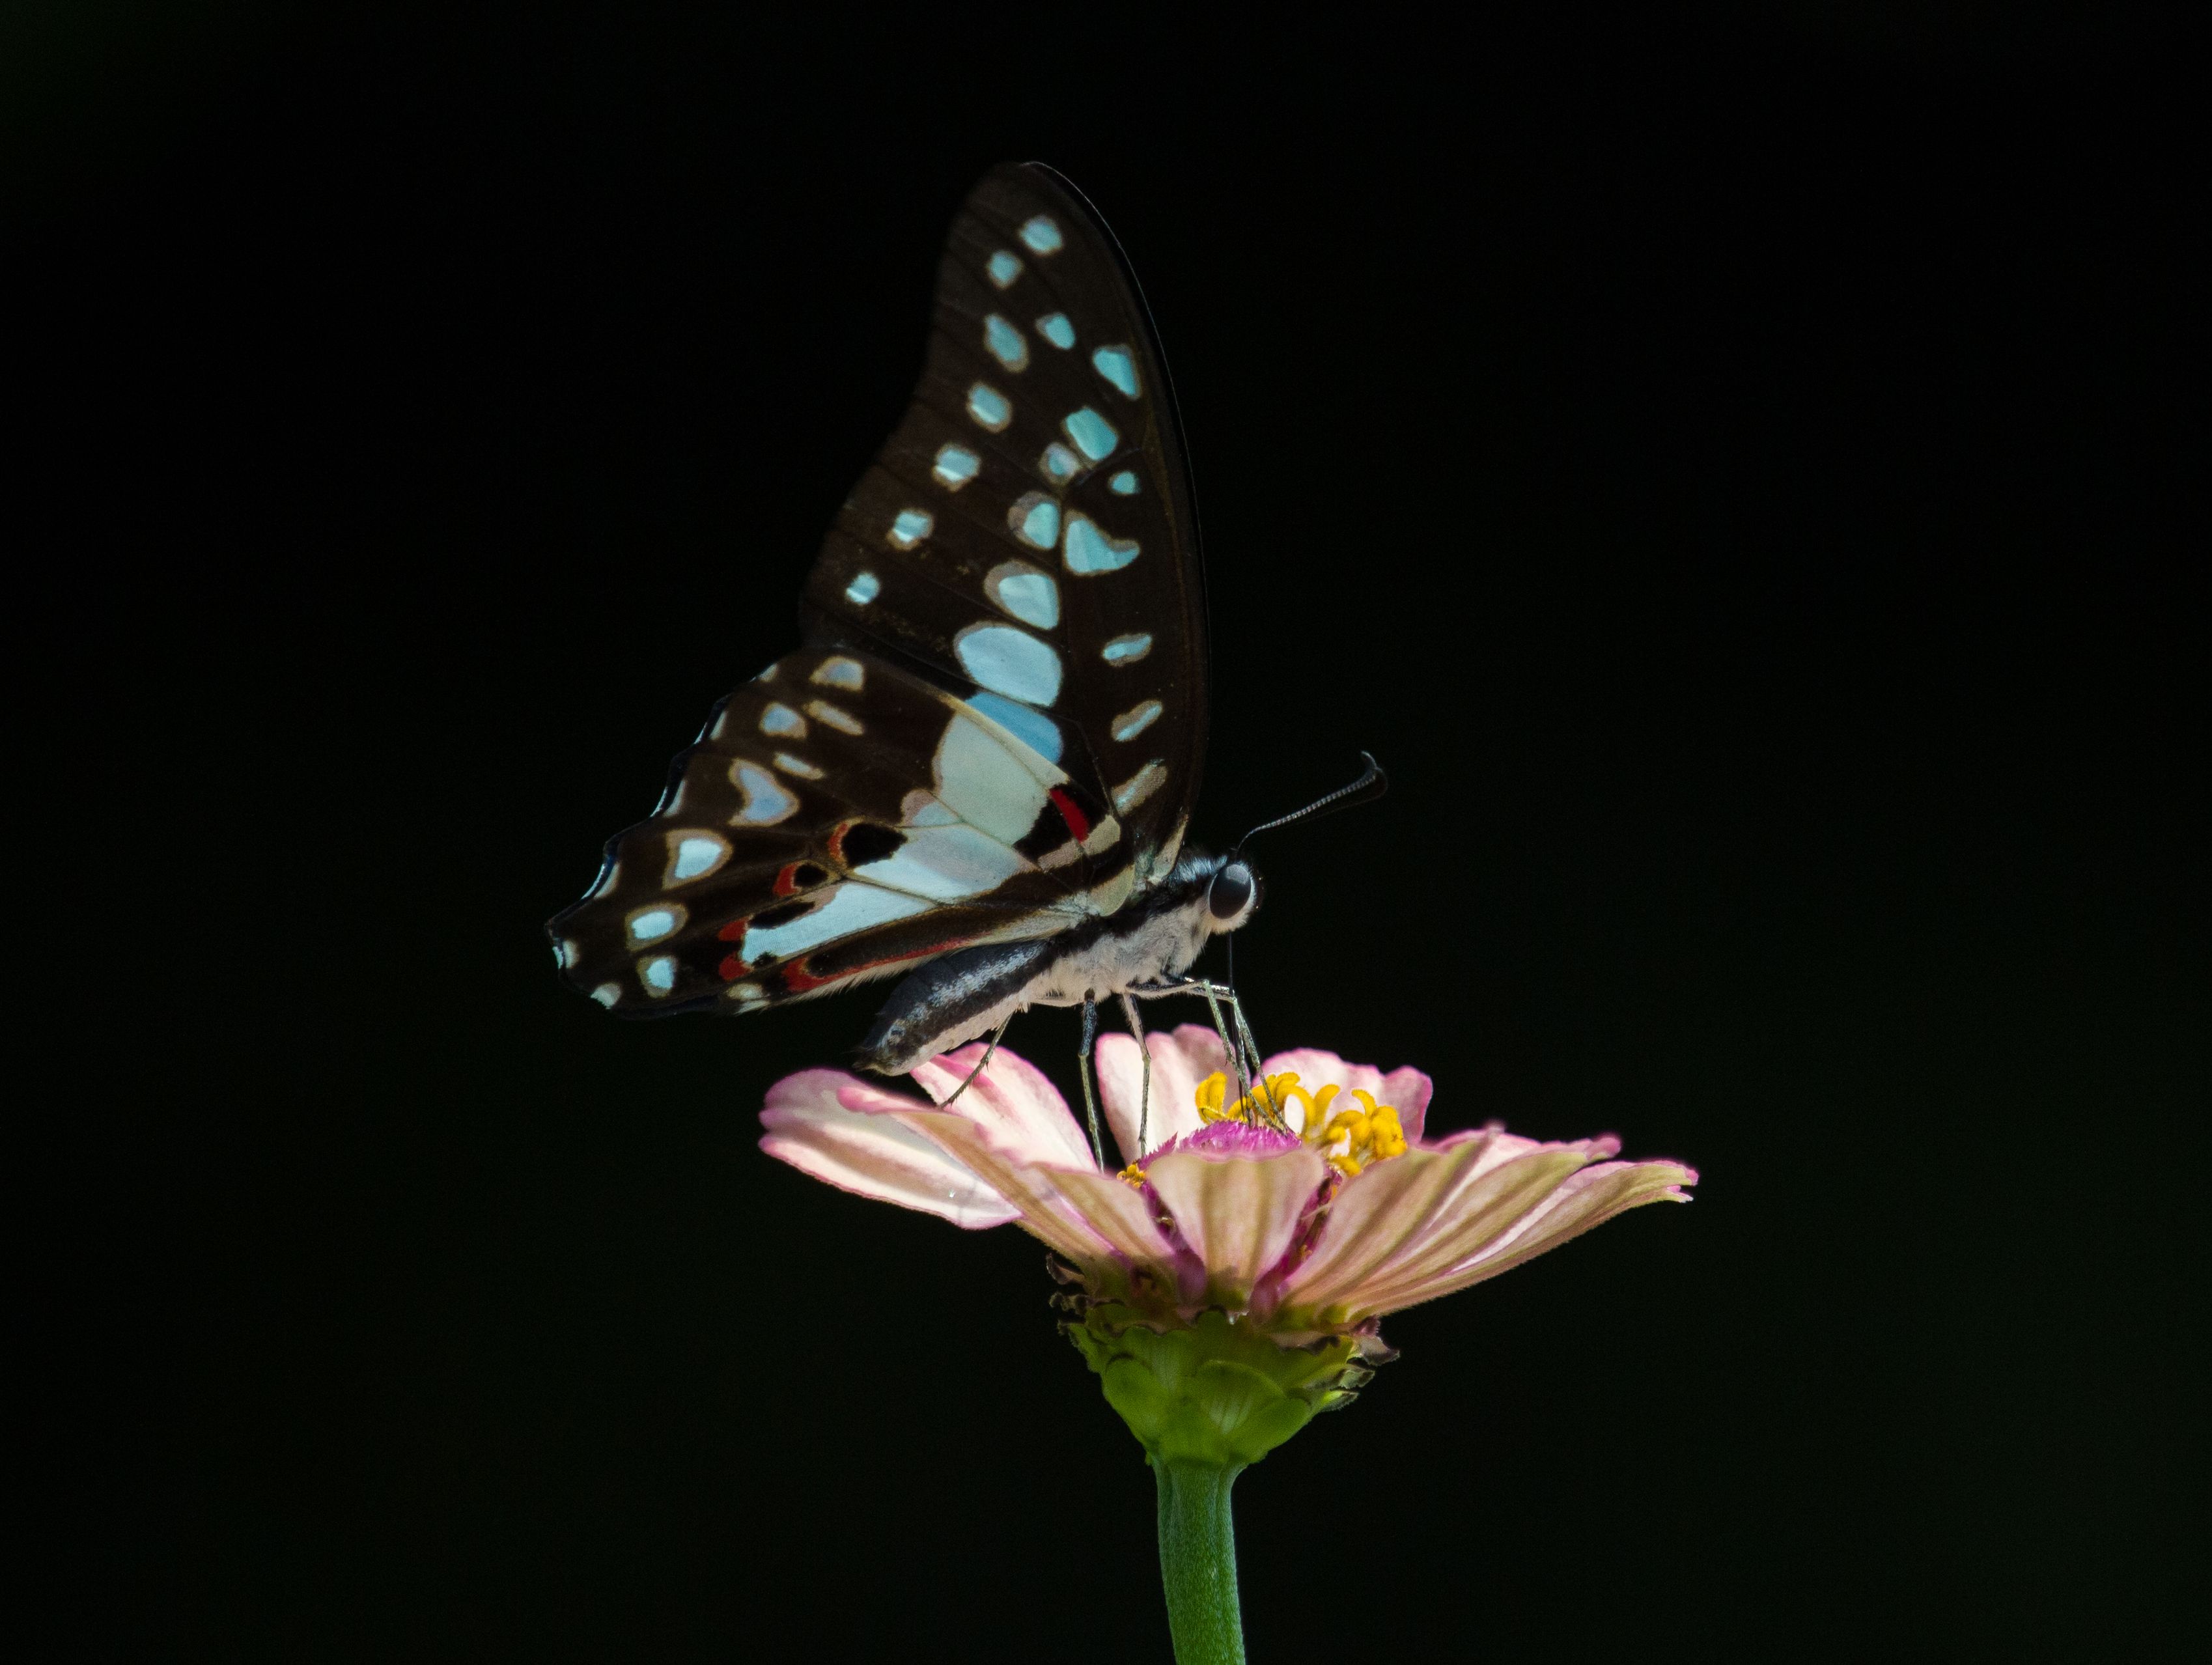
<point x="1372" y="784"/>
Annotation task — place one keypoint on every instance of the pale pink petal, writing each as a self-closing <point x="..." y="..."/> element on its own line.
<point x="1372" y="1218"/>
<point x="1393" y="1211"/>
<point x="1499" y="1147"/>
<point x="1237" y="1214"/>
<point x="872" y="1154"/>
<point x="1587" y="1198"/>
<point x="1405" y="1089"/>
<point x="1480" y="1209"/>
<point x="1182" y="1058"/>
<point x="1408" y="1090"/>
<point x="1118" y="1211"/>
<point x="1046" y="1213"/>
<point x="864" y="1095"/>
<point x="1021" y="1112"/>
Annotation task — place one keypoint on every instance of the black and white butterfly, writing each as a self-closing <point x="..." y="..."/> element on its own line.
<point x="980" y="768"/>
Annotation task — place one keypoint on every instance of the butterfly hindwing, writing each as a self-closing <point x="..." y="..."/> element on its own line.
<point x="838" y="818"/>
<point x="997" y="726"/>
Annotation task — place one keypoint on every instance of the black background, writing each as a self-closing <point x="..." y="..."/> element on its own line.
<point x="1744" y="479"/>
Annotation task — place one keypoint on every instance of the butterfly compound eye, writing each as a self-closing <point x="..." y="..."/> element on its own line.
<point x="1230" y="892"/>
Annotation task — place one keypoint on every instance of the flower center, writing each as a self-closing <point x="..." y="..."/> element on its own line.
<point x="1348" y="1137"/>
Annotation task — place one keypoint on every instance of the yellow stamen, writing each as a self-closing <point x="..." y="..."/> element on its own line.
<point x="1133" y="1173"/>
<point x="1348" y="1140"/>
<point x="1261" y="1108"/>
<point x="1283" y="1087"/>
<point x="1210" y="1093"/>
<point x="1351" y="1139"/>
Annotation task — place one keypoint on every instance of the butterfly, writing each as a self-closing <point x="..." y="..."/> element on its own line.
<point x="978" y="772"/>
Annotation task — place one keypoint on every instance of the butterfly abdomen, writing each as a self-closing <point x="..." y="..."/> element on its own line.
<point x="949" y="1000"/>
<point x="968" y="992"/>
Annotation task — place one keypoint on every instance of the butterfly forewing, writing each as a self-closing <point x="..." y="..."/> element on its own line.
<point x="996" y="728"/>
<point x="1027" y="532"/>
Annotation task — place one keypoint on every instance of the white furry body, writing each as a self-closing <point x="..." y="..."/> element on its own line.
<point x="1162" y="946"/>
<point x="971" y="994"/>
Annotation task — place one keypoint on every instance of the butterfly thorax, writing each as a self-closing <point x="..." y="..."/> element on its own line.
<point x="1154" y="937"/>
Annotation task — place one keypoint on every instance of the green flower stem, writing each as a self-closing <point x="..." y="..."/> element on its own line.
<point x="1198" y="1561"/>
<point x="1206" y="1398"/>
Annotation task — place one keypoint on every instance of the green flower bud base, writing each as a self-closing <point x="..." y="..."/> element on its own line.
<point x="1204" y="1401"/>
<point x="1218" y="1392"/>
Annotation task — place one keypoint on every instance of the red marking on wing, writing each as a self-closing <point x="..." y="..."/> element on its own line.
<point x="798" y="979"/>
<point x="1078" y="822"/>
<point x="837" y="842"/>
<point x="735" y="930"/>
<point x="732" y="968"/>
<point x="787" y="880"/>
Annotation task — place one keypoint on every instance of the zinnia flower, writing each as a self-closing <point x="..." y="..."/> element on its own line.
<point x="1310" y="1209"/>
<point x="1227" y="1284"/>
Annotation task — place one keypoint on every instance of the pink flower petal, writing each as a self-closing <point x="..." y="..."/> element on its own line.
<point x="1237" y="1214"/>
<point x="1586" y="1200"/>
<point x="1020" y="1111"/>
<point x="1481" y="1213"/>
<point x="1046" y="1213"/>
<point x="1118" y="1211"/>
<point x="1408" y="1091"/>
<point x="872" y="1154"/>
<point x="1405" y="1089"/>
<point x="1455" y="1215"/>
<point x="1392" y="1214"/>
<point x="1182" y="1058"/>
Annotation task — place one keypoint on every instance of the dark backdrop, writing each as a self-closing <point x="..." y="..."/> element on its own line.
<point x="1746" y="481"/>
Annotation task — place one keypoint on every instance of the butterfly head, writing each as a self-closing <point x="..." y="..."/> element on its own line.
<point x="1232" y="896"/>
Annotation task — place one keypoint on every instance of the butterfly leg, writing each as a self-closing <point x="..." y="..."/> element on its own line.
<point x="1244" y="1033"/>
<point x="1250" y="1076"/>
<point x="1212" y="994"/>
<point x="1083" y="1069"/>
<point x="1248" y="1047"/>
<point x="1243" y="1052"/>
<point x="1234" y="1051"/>
<point x="1145" y="1091"/>
<point x="981" y="1062"/>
